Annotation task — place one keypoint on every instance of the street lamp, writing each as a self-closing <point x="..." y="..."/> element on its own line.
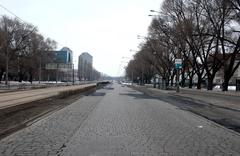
<point x="40" y="69"/>
<point x="128" y="62"/>
<point x="142" y="76"/>
<point x="140" y="37"/>
<point x="151" y="15"/>
<point x="155" y="11"/>
<point x="73" y="73"/>
<point x="131" y="50"/>
<point x="7" y="66"/>
<point x="154" y="85"/>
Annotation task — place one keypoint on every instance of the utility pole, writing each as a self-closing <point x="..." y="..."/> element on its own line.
<point x="154" y="66"/>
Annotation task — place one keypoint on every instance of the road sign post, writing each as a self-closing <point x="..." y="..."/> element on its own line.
<point x="178" y="66"/>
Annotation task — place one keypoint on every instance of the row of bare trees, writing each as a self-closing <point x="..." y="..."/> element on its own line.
<point x="23" y="50"/>
<point x="203" y="33"/>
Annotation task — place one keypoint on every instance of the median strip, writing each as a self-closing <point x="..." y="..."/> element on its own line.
<point x="18" y="98"/>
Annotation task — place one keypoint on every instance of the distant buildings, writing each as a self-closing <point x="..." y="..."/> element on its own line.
<point x="85" y="66"/>
<point x="65" y="56"/>
<point x="219" y="77"/>
<point x="86" y="72"/>
<point x="60" y="67"/>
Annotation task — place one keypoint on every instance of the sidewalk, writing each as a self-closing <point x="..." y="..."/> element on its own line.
<point x="229" y="100"/>
<point x="20" y="97"/>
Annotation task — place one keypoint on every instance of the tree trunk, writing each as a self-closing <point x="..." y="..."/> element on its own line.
<point x="199" y="82"/>
<point x="1" y="75"/>
<point x="163" y="83"/>
<point x="183" y="82"/>
<point x="183" y="79"/>
<point x="226" y="82"/>
<point x="210" y="84"/>
<point x="167" y="82"/>
<point x="20" y="76"/>
<point x="30" y="77"/>
<point x="225" y="86"/>
<point x="190" y="82"/>
<point x="172" y="78"/>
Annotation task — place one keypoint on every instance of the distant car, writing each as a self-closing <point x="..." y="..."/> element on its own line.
<point x="126" y="84"/>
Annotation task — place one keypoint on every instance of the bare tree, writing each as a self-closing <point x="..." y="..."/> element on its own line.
<point x="230" y="39"/>
<point x="21" y="47"/>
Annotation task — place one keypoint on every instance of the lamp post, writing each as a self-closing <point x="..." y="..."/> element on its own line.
<point x="142" y="76"/>
<point x="7" y="66"/>
<point x="128" y="62"/>
<point x="40" y="69"/>
<point x="132" y="69"/>
<point x="73" y="73"/>
<point x="132" y="77"/>
<point x="57" y="73"/>
<point x="154" y="66"/>
<point x="131" y="50"/>
<point x="155" y="11"/>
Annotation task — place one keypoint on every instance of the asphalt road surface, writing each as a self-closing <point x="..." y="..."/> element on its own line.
<point x="222" y="109"/>
<point x="123" y="122"/>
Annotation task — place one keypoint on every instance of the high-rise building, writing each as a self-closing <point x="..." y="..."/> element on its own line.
<point x="64" y="55"/>
<point x="85" y="66"/>
<point x="60" y="66"/>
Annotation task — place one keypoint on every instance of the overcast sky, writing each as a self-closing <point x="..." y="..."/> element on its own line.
<point x="107" y="29"/>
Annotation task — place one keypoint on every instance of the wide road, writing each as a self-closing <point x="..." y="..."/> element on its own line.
<point x="123" y="122"/>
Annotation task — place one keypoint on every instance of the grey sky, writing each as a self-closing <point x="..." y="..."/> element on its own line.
<point x="107" y="29"/>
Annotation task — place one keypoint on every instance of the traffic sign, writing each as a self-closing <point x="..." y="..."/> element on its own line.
<point x="178" y="63"/>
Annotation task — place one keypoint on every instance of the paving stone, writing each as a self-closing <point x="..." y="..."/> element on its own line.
<point x="122" y="122"/>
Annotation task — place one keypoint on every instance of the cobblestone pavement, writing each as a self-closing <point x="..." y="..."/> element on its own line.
<point x="121" y="121"/>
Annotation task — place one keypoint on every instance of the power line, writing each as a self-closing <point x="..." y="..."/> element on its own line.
<point x="9" y="11"/>
<point x="12" y="13"/>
